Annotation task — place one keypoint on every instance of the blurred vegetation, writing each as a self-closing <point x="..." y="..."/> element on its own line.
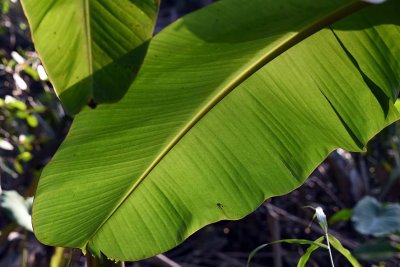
<point x="33" y="124"/>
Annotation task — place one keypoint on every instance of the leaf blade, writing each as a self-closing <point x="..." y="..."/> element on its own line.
<point x="226" y="154"/>
<point x="339" y="247"/>
<point x="317" y="243"/>
<point x="304" y="259"/>
<point x="80" y="42"/>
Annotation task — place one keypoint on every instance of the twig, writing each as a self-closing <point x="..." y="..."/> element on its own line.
<point x="163" y="261"/>
<point x="273" y="223"/>
<point x="230" y="260"/>
<point x="342" y="178"/>
<point x="329" y="192"/>
<point x="345" y="241"/>
<point x="364" y="173"/>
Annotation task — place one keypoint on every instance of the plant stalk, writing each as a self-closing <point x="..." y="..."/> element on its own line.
<point x="24" y="260"/>
<point x="329" y="249"/>
<point x="96" y="262"/>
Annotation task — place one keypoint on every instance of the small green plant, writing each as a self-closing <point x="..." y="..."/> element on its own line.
<point x="314" y="245"/>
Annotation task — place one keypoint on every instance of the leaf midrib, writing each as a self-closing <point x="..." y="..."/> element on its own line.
<point x="251" y="69"/>
<point x="88" y="37"/>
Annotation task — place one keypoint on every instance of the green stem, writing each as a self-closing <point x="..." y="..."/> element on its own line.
<point x="24" y="250"/>
<point x="96" y="262"/>
<point x="329" y="249"/>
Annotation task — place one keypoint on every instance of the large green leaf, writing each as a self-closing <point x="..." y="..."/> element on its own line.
<point x="91" y="48"/>
<point x="371" y="217"/>
<point x="221" y="116"/>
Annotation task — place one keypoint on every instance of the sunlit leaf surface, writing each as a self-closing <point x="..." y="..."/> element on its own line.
<point x="221" y="116"/>
<point x="91" y="48"/>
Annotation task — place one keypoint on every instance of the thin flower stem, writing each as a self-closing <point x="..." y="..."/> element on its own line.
<point x="319" y="213"/>
<point x="329" y="249"/>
